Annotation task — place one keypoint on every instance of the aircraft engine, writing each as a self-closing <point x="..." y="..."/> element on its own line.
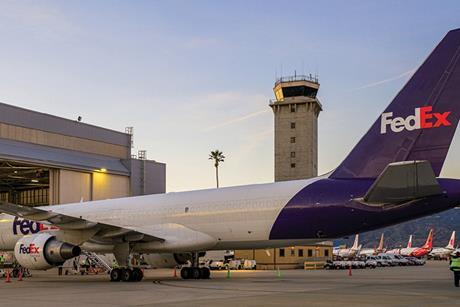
<point x="167" y="260"/>
<point x="42" y="251"/>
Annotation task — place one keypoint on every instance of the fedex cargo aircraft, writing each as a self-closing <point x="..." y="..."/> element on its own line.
<point x="389" y="177"/>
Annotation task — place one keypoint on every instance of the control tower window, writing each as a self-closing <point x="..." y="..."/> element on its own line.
<point x="294" y="91"/>
<point x="292" y="125"/>
<point x="293" y="108"/>
<point x="293" y="140"/>
<point x="292" y="165"/>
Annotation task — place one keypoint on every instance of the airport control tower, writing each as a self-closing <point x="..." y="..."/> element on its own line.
<point x="296" y="109"/>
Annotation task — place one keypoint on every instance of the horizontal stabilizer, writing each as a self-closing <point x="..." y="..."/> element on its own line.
<point x="403" y="181"/>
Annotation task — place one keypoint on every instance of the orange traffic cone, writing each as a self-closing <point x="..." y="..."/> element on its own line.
<point x="8" y="278"/>
<point x="20" y="275"/>
<point x="349" y="270"/>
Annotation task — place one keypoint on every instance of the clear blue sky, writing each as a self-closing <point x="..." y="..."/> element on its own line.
<point x="192" y="76"/>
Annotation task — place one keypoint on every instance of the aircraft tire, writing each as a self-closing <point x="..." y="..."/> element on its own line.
<point x="137" y="274"/>
<point x="205" y="273"/>
<point x="115" y="275"/>
<point x="195" y="273"/>
<point x="126" y="275"/>
<point x="185" y="273"/>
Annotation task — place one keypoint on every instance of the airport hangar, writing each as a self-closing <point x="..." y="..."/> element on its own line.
<point x="47" y="160"/>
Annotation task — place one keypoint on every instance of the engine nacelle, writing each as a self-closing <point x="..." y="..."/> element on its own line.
<point x="42" y="251"/>
<point x="167" y="260"/>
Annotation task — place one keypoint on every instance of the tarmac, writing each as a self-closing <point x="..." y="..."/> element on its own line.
<point x="429" y="285"/>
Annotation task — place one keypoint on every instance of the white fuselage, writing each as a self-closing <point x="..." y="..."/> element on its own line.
<point x="368" y="252"/>
<point x="407" y="251"/>
<point x="11" y="232"/>
<point x="345" y="252"/>
<point x="441" y="252"/>
<point x="237" y="217"/>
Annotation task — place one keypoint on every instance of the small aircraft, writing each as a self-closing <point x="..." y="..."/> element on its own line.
<point x="348" y="253"/>
<point x="373" y="251"/>
<point x="420" y="251"/>
<point x="444" y="252"/>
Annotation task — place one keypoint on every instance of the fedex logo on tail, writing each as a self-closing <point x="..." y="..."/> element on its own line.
<point x="32" y="249"/>
<point x="423" y="118"/>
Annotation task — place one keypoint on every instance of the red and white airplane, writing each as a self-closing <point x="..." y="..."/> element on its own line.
<point x="419" y="251"/>
<point x="397" y="251"/>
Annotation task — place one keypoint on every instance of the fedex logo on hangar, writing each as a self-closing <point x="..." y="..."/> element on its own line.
<point x="423" y="118"/>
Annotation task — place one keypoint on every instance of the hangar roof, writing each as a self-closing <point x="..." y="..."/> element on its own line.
<point x="54" y="157"/>
<point x="46" y="122"/>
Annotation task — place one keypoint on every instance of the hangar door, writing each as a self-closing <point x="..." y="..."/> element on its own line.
<point x="24" y="184"/>
<point x="73" y="186"/>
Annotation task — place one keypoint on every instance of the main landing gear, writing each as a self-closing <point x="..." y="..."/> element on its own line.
<point x="126" y="274"/>
<point x="194" y="271"/>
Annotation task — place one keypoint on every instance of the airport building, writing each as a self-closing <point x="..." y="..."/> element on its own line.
<point x="294" y="257"/>
<point x="46" y="160"/>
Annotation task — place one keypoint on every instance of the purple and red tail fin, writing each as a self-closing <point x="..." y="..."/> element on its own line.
<point x="420" y="122"/>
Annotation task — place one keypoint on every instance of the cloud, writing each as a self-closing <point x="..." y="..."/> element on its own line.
<point x="373" y="84"/>
<point x="251" y="143"/>
<point x="238" y="119"/>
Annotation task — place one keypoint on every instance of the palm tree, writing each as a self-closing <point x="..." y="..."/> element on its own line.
<point x="217" y="156"/>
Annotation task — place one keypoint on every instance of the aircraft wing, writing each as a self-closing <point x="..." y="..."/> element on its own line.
<point x="403" y="181"/>
<point x="103" y="232"/>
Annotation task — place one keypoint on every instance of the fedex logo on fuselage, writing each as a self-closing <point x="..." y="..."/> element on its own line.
<point x="26" y="227"/>
<point x="32" y="249"/>
<point x="423" y="118"/>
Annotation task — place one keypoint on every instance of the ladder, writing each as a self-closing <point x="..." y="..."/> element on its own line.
<point x="98" y="261"/>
